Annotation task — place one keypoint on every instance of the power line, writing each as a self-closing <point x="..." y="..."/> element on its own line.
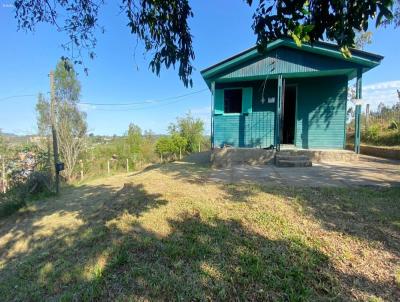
<point x="143" y="108"/>
<point x="144" y="102"/>
<point x="16" y="96"/>
<point x="149" y="102"/>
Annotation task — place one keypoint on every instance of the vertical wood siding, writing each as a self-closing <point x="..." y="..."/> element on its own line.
<point x="321" y="112"/>
<point x="253" y="128"/>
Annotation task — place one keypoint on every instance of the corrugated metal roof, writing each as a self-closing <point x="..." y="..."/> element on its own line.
<point x="305" y="59"/>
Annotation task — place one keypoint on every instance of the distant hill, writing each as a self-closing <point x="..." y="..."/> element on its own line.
<point x="8" y="134"/>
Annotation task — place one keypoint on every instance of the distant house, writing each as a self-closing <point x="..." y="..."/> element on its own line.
<point x="296" y="96"/>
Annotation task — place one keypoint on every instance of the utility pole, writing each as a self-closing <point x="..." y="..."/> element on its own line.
<point x="53" y="106"/>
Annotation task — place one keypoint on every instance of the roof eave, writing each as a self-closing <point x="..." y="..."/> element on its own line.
<point x="365" y="59"/>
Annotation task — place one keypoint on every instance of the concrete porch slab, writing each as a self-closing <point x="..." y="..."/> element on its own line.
<point x="229" y="157"/>
<point x="367" y="171"/>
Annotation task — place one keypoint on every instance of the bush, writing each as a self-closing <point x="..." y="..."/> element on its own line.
<point x="37" y="185"/>
<point x="393" y="125"/>
<point x="10" y="206"/>
<point x="372" y="133"/>
<point x="378" y="136"/>
<point x="12" y="201"/>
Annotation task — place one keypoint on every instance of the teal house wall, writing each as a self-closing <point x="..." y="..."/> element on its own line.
<point x="320" y="75"/>
<point x="321" y="112"/>
<point x="252" y="128"/>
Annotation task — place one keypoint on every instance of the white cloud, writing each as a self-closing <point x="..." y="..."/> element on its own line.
<point x="385" y="92"/>
<point x="382" y="86"/>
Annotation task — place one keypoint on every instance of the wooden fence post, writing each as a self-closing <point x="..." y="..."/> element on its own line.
<point x="108" y="167"/>
<point x="127" y="165"/>
<point x="367" y="117"/>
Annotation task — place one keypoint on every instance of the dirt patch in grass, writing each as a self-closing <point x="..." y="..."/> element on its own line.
<point x="167" y="233"/>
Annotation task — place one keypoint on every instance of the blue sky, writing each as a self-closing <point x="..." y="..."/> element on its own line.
<point x="120" y="74"/>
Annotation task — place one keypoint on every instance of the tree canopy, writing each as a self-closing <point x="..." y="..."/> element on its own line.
<point x="163" y="25"/>
<point x="70" y="122"/>
<point x="134" y="138"/>
<point x="189" y="128"/>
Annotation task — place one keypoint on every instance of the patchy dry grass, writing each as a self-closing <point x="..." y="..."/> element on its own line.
<point x="168" y="234"/>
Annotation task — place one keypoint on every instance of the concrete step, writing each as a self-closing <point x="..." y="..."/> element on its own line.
<point x="291" y="157"/>
<point x="293" y="163"/>
<point x="282" y="160"/>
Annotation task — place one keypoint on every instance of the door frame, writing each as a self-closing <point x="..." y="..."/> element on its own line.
<point x="295" y="85"/>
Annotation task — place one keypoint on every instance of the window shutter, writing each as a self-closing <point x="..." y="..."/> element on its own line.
<point x="247" y="100"/>
<point x="219" y="101"/>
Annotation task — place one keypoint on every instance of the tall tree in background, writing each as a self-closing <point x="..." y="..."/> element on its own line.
<point x="70" y="121"/>
<point x="134" y="139"/>
<point x="191" y="129"/>
<point x="163" y="26"/>
<point x="148" y="146"/>
<point x="44" y="126"/>
<point x="1" y="141"/>
<point x="166" y="148"/>
<point x="3" y="146"/>
<point x="362" y="39"/>
<point x="180" y="142"/>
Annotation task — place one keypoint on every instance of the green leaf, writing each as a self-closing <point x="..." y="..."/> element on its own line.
<point x="307" y="28"/>
<point x="298" y="30"/>
<point x="346" y="52"/>
<point x="296" y="40"/>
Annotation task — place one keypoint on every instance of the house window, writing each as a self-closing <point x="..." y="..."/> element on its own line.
<point x="233" y="101"/>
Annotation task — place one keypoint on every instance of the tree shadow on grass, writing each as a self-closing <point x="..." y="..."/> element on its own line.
<point x="209" y="259"/>
<point x="187" y="171"/>
<point x="212" y="260"/>
<point x="366" y="213"/>
<point x="146" y="169"/>
<point x="372" y="214"/>
<point x="199" y="259"/>
<point x="85" y="209"/>
<point x="369" y="214"/>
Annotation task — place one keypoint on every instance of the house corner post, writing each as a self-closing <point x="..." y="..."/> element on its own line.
<point x="212" y="114"/>
<point x="278" y="113"/>
<point x="357" y="133"/>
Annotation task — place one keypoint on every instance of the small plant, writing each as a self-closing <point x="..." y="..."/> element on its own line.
<point x="372" y="132"/>
<point x="393" y="125"/>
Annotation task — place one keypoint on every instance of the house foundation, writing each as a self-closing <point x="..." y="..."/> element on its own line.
<point x="227" y="157"/>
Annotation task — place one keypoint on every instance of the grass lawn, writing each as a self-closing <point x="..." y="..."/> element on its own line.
<point x="169" y="234"/>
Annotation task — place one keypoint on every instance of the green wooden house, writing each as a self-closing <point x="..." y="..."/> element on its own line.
<point x="296" y="96"/>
